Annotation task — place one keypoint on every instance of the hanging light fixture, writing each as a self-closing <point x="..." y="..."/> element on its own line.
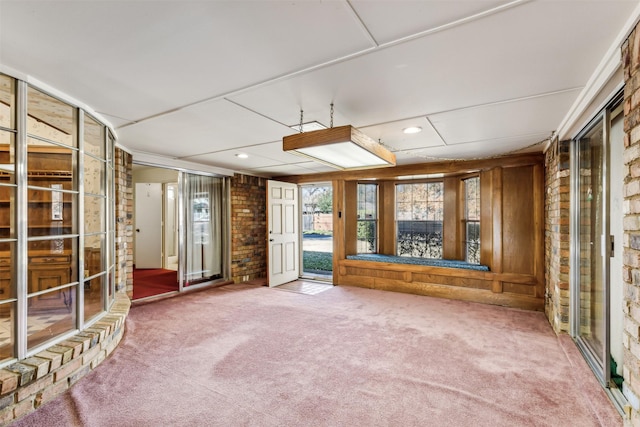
<point x="342" y="147"/>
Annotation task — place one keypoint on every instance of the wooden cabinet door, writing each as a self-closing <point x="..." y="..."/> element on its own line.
<point x="43" y="276"/>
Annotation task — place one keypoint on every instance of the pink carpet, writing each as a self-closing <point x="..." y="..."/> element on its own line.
<point x="242" y="355"/>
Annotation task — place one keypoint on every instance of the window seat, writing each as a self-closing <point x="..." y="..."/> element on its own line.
<point x="450" y="263"/>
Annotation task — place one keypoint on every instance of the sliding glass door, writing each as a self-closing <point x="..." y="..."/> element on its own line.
<point x="596" y="244"/>
<point x="203" y="218"/>
<point x="591" y="231"/>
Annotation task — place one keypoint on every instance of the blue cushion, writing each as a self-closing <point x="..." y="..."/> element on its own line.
<point x="451" y="263"/>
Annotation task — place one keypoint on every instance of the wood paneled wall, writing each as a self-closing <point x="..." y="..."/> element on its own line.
<point x="511" y="232"/>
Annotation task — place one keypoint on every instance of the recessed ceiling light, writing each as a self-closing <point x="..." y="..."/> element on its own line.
<point x="242" y="156"/>
<point x="412" y="129"/>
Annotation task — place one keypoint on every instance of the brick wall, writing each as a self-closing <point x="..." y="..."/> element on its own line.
<point x="557" y="185"/>
<point x="248" y="228"/>
<point x="28" y="384"/>
<point x="631" y="242"/>
<point x="124" y="221"/>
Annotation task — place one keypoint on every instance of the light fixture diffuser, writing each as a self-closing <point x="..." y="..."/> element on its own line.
<point x="343" y="147"/>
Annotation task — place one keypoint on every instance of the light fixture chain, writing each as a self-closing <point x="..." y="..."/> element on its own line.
<point x="331" y="121"/>
<point x="301" y="119"/>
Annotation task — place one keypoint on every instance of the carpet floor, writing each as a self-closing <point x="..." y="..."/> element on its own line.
<point x="153" y="281"/>
<point x="244" y="355"/>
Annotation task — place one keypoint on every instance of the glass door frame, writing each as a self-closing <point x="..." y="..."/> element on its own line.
<point x="181" y="220"/>
<point x="599" y="363"/>
<point x="303" y="275"/>
<point x="225" y="238"/>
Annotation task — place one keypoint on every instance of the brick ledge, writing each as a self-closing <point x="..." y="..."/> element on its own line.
<point x="29" y="383"/>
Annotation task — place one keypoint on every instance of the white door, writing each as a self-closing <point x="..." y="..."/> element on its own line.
<point x="148" y="244"/>
<point x="282" y="200"/>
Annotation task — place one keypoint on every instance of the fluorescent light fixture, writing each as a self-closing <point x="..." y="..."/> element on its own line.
<point x="423" y="176"/>
<point x="242" y="156"/>
<point x="343" y="147"/>
<point x="412" y="129"/>
<point x="309" y="126"/>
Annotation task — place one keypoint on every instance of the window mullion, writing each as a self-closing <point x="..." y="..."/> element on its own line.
<point x="21" y="255"/>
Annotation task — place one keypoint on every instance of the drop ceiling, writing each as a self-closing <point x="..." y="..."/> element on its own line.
<point x="203" y="81"/>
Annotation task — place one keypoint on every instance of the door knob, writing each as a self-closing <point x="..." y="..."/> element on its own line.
<point x="137" y="230"/>
<point x="271" y="240"/>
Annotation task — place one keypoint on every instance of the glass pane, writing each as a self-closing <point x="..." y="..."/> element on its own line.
<point x="473" y="242"/>
<point x="7" y="156"/>
<point x="50" y="263"/>
<point x="7" y="101"/>
<point x="50" y="211"/>
<point x="472" y="198"/>
<point x="317" y="232"/>
<point x="7" y="200"/>
<point x="94" y="221"/>
<point x="94" y="174"/>
<point x="50" y="118"/>
<point x="93" y="255"/>
<point x="50" y="315"/>
<point x="93" y="137"/>
<point x="48" y="162"/>
<point x="7" y="255"/>
<point x="472" y="218"/>
<point x="7" y="328"/>
<point x="93" y="297"/>
<point x="203" y="239"/>
<point x="367" y="216"/>
<point x="419" y="216"/>
<point x="592" y="322"/>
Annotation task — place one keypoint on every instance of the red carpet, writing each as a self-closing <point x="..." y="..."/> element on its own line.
<point x="241" y="355"/>
<point x="153" y="281"/>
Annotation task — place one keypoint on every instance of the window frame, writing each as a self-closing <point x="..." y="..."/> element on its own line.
<point x="441" y="221"/>
<point x="465" y="220"/>
<point x="375" y="219"/>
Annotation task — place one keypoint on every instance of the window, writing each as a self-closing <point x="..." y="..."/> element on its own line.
<point x="367" y="218"/>
<point x="472" y="219"/>
<point x="419" y="217"/>
<point x="56" y="275"/>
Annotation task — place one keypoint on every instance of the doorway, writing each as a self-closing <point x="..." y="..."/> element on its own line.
<point x="181" y="230"/>
<point x="155" y="216"/>
<point x="596" y="244"/>
<point x="316" y="202"/>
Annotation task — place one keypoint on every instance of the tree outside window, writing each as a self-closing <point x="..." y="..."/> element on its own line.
<point x="472" y="219"/>
<point x="367" y="226"/>
<point x="419" y="218"/>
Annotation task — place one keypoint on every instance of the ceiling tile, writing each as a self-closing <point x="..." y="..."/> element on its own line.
<point x="507" y="119"/>
<point x="391" y="20"/>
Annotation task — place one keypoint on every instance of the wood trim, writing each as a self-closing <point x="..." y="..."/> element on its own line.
<point x="350" y="217"/>
<point x="538" y="220"/>
<point x="486" y="222"/>
<point x="387" y="204"/>
<point x="436" y="290"/>
<point x="496" y="219"/>
<point x="451" y="226"/>
<point x="339" y="227"/>
<point x="400" y="278"/>
<point x="448" y="168"/>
